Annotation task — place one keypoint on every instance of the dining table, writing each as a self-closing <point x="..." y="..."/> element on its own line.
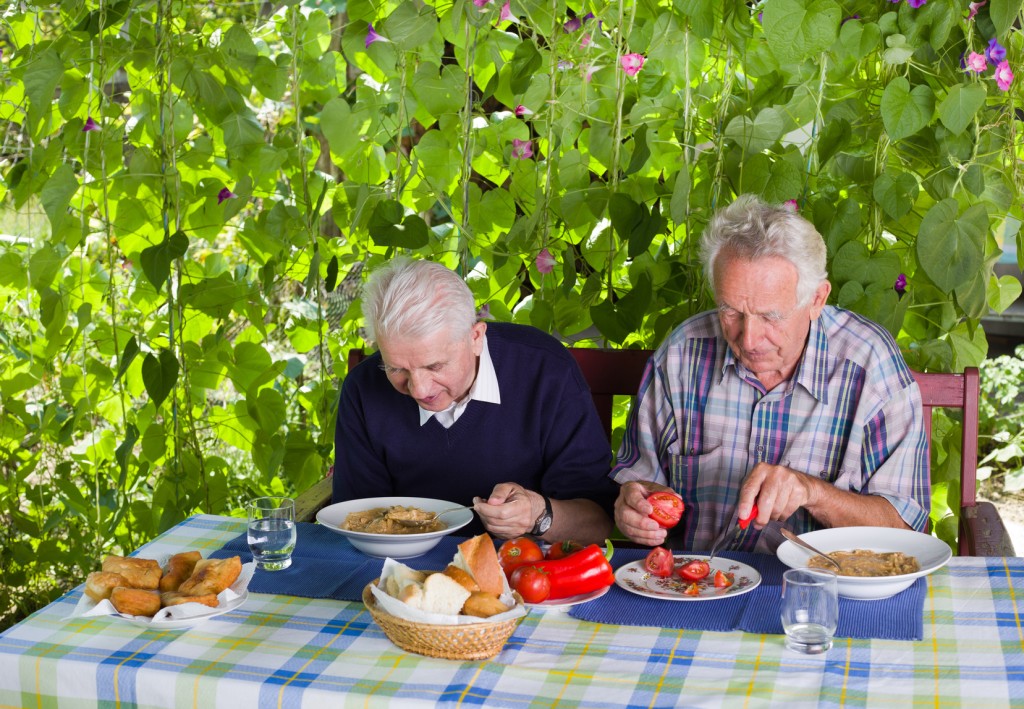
<point x="955" y="639"/>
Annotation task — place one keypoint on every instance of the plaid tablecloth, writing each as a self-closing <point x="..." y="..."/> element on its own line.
<point x="284" y="651"/>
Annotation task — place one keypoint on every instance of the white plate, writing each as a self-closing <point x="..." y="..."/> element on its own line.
<point x="564" y="603"/>
<point x="395" y="546"/>
<point x="635" y="578"/>
<point x="931" y="554"/>
<point x="190" y="622"/>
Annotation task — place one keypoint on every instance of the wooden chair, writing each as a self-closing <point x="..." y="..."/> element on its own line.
<point x="613" y="373"/>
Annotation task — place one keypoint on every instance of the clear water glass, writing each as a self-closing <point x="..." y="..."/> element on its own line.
<point x="810" y="609"/>
<point x="272" y="532"/>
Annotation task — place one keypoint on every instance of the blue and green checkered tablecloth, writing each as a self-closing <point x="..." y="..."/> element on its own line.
<point x="287" y="651"/>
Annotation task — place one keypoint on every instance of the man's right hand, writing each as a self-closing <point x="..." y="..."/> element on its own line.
<point x="632" y="513"/>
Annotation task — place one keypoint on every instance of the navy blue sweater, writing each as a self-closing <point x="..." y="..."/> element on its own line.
<point x="545" y="434"/>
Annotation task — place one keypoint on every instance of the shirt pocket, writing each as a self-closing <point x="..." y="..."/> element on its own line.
<point x="686" y="471"/>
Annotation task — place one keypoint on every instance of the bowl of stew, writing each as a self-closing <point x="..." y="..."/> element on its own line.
<point x="890" y="559"/>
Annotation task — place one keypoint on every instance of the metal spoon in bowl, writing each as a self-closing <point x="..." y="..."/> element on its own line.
<point x="428" y="520"/>
<point x="800" y="542"/>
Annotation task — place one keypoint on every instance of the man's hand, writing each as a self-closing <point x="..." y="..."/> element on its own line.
<point x="632" y="512"/>
<point x="509" y="511"/>
<point x="778" y="491"/>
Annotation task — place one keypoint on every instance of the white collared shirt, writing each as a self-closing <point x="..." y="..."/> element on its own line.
<point x="485" y="389"/>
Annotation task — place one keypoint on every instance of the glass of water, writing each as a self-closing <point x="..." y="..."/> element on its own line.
<point x="272" y="532"/>
<point x="810" y="609"/>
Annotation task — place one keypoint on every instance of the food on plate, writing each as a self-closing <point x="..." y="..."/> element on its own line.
<point x="516" y="552"/>
<point x="211" y="576"/>
<point x="179" y="567"/>
<point x="692" y="590"/>
<point x="660" y="562"/>
<point x="99" y="584"/>
<point x="668" y="508"/>
<point x="864" y="562"/>
<point x="471" y="585"/>
<point x="173" y="598"/>
<point x="533" y="584"/>
<point x="723" y="580"/>
<point x="388" y="520"/>
<point x="135" y="601"/>
<point x="694" y="570"/>
<point x="585" y="571"/>
<point x="560" y="550"/>
<point x="139" y="573"/>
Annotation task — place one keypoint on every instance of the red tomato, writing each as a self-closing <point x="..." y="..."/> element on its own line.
<point x="692" y="590"/>
<point x="518" y="551"/>
<point x="723" y="580"/>
<point x="533" y="584"/>
<point x="695" y="570"/>
<point x="560" y="550"/>
<point x="660" y="562"/>
<point x="668" y="508"/>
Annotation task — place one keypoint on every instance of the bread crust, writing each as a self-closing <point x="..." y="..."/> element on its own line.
<point x="179" y="567"/>
<point x="483" y="605"/>
<point x="135" y="601"/>
<point x="464" y="578"/>
<point x="481" y="560"/>
<point x="100" y="584"/>
<point x="139" y="573"/>
<point x="172" y="598"/>
<point x="211" y="576"/>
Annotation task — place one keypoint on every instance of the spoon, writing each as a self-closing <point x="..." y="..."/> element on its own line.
<point x="428" y="520"/>
<point x="800" y="542"/>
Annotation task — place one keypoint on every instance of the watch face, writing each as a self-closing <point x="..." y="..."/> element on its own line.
<point x="544" y="524"/>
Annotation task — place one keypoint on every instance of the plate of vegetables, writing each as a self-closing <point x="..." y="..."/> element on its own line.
<point x="563" y="575"/>
<point x="686" y="577"/>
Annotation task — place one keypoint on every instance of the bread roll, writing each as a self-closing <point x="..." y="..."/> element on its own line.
<point x="179" y="567"/>
<point x="135" y="601"/>
<point x="211" y="576"/>
<point x="479" y="557"/>
<point x="401" y="577"/>
<point x="441" y="594"/>
<point x="138" y="573"/>
<point x="412" y="595"/>
<point x="464" y="578"/>
<point x="171" y="598"/>
<point x="99" y="584"/>
<point x="483" y="605"/>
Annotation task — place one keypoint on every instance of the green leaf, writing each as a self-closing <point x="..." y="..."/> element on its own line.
<point x="124" y="452"/>
<point x="387" y="228"/>
<point x="1003" y="14"/>
<point x="440" y="93"/>
<point x="410" y="25"/>
<point x="128" y="355"/>
<point x="834" y="136"/>
<point x="896" y="192"/>
<point x="160" y="374"/>
<point x="157" y="260"/>
<point x="950" y="245"/>
<point x="1003" y="292"/>
<point x="42" y="75"/>
<point x="525" y="63"/>
<point x="961" y="105"/>
<point x="906" y="111"/>
<point x="57" y="193"/>
<point x="679" y="205"/>
<point x="757" y="135"/>
<point x="799" y="29"/>
<point x="641" y="151"/>
<point x="897" y="50"/>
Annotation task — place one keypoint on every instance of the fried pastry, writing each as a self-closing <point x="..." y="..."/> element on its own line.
<point x="139" y="573"/>
<point x="211" y="576"/>
<point x="171" y="598"/>
<point x="99" y="584"/>
<point x="179" y="567"/>
<point x="135" y="601"/>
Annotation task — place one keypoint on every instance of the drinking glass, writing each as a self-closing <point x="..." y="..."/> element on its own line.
<point x="810" y="609"/>
<point x="272" y="532"/>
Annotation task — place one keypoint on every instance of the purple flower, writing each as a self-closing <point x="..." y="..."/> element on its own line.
<point x="791" y="205"/>
<point x="565" y="65"/>
<point x="974" y="7"/>
<point x="916" y="3"/>
<point x="847" y="19"/>
<point x="481" y="3"/>
<point x="1004" y="76"/>
<point x="372" y="36"/>
<point x="900" y="286"/>
<point x="484" y="313"/>
<point x="632" y="63"/>
<point x="90" y="125"/>
<point x="224" y="194"/>
<point x="522" y="149"/>
<point x="545" y="261"/>
<point x="506" y="12"/>
<point x="522" y="110"/>
<point x="976" y="62"/>
<point x="995" y="52"/>
<point x="572" y="25"/>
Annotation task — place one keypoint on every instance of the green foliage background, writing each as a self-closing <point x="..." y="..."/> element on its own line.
<point x="172" y="304"/>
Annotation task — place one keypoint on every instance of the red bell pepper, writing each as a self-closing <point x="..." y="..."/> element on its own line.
<point x="583" y="572"/>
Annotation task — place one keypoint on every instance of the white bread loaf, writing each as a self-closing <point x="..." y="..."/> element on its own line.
<point x="442" y="594"/>
<point x="479" y="557"/>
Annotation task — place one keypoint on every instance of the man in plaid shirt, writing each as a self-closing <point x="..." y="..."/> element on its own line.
<point x="775" y="398"/>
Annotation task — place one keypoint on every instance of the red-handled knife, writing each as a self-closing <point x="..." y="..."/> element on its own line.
<point x="728" y="539"/>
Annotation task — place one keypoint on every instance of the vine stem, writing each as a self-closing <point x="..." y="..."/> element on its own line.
<point x="624" y="29"/>
<point x="549" y="148"/>
<point x="467" y="149"/>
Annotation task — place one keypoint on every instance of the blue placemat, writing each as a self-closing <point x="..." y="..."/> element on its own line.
<point x="326" y="565"/>
<point x="897" y="618"/>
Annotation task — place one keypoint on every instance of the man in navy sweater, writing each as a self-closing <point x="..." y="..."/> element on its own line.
<point x="498" y="417"/>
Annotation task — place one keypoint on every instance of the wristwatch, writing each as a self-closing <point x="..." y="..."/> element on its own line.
<point x="543" y="522"/>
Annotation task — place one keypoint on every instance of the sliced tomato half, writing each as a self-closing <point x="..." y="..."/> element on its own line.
<point x="660" y="562"/>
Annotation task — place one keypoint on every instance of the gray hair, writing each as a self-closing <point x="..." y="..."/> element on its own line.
<point x="407" y="298"/>
<point x="752" y="229"/>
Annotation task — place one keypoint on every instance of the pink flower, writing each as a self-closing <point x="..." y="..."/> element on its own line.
<point x="632" y="63"/>
<point x="522" y="149"/>
<point x="481" y="3"/>
<point x="585" y="41"/>
<point x="976" y="62"/>
<point x="545" y="261"/>
<point x="1004" y="75"/>
<point x="506" y="13"/>
<point x="975" y="6"/>
<point x="224" y="194"/>
<point x="90" y="125"/>
<point x="522" y="110"/>
<point x="372" y="36"/>
<point x="588" y="72"/>
<point x="791" y="205"/>
<point x="916" y="3"/>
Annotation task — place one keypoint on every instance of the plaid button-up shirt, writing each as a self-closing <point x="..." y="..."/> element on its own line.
<point x="850" y="414"/>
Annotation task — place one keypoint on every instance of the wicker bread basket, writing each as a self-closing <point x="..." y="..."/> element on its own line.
<point x="468" y="641"/>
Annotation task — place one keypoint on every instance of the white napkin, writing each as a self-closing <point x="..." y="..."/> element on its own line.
<point x="226" y="599"/>
<point x="403" y="610"/>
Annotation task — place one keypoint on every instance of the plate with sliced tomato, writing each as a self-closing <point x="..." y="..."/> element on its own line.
<point x="690" y="577"/>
